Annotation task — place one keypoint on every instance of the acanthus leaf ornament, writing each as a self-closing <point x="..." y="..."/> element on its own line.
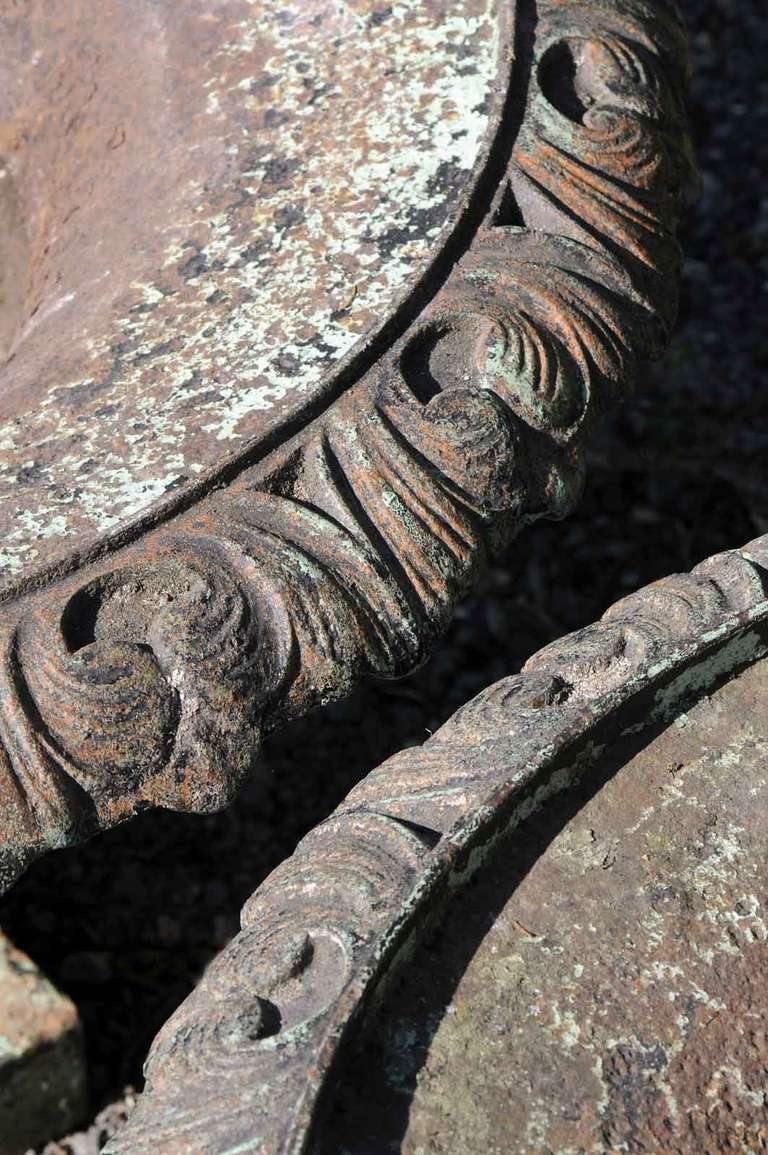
<point x="148" y="675"/>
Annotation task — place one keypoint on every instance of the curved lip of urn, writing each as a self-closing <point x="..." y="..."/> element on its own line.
<point x="502" y="755"/>
<point x="405" y="307"/>
<point x="148" y="671"/>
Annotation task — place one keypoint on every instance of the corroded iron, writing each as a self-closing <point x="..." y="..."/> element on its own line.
<point x="204" y="207"/>
<point x="144" y="671"/>
<point x="602" y="986"/>
<point x="247" y="1061"/>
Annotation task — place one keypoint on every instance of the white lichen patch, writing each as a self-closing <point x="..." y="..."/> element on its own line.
<point x="345" y="138"/>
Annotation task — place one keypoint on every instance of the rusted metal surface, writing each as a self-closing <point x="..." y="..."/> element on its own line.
<point x="247" y="1062"/>
<point x="147" y="672"/>
<point x="204" y="208"/>
<point x="603" y="986"/>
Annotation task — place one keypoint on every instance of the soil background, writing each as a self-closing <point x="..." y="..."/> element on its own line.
<point x="126" y="924"/>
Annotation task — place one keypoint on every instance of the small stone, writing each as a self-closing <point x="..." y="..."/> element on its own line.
<point x="42" y="1065"/>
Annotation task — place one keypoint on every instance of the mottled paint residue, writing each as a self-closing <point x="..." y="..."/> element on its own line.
<point x="336" y="141"/>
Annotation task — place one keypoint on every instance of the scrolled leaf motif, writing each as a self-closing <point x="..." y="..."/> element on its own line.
<point x="370" y="876"/>
<point x="637" y="629"/>
<point x="151" y="676"/>
<point x="111" y="703"/>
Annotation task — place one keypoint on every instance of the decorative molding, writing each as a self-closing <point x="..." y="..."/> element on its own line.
<point x="244" y="1062"/>
<point x="147" y="677"/>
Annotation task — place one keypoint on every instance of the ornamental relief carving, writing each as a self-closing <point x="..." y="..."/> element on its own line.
<point x="147" y="676"/>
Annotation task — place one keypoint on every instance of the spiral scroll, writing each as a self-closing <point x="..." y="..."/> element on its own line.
<point x="241" y="1064"/>
<point x="149" y="677"/>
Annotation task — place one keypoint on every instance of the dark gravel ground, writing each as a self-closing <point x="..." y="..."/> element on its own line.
<point x="126" y="924"/>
